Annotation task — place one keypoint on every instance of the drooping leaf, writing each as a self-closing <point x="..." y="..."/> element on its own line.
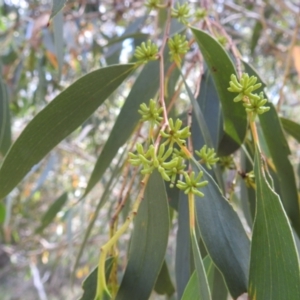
<point x="219" y="291"/>
<point x="229" y="248"/>
<point x="89" y="285"/>
<point x="221" y="68"/>
<point x="2" y="212"/>
<point x="51" y="213"/>
<point x="274" y="264"/>
<point x="5" y="130"/>
<point x="291" y="128"/>
<point x="183" y="247"/>
<point x="191" y="291"/>
<point x="209" y="270"/>
<point x="209" y="103"/>
<point x="279" y="150"/>
<point x="148" y="243"/>
<point x="257" y="30"/>
<point x="58" y="23"/>
<point x="57" y="5"/>
<point x="142" y="90"/>
<point x="57" y="120"/>
<point x="202" y="282"/>
<point x="164" y="285"/>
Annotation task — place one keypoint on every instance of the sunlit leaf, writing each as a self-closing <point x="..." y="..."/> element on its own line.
<point x="57" y="120"/>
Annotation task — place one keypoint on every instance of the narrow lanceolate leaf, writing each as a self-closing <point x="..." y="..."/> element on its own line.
<point x="191" y="291"/>
<point x="5" y="131"/>
<point x="274" y="264"/>
<point x="183" y="247"/>
<point x="142" y="90"/>
<point x="53" y="210"/>
<point x="203" y="288"/>
<point x="89" y="285"/>
<point x="229" y="248"/>
<point x="164" y="283"/>
<point x="221" y="67"/>
<point x="291" y="128"/>
<point x="57" y="120"/>
<point x="58" y="23"/>
<point x="279" y="150"/>
<point x="209" y="103"/>
<point x="57" y="5"/>
<point x="148" y="243"/>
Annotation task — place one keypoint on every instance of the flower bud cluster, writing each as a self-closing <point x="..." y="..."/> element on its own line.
<point x="253" y="103"/>
<point x="181" y="12"/>
<point x="178" y="46"/>
<point x="169" y="161"/>
<point x="207" y="156"/>
<point x="146" y="52"/>
<point x="151" y="113"/>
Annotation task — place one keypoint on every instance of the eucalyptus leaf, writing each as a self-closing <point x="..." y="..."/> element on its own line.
<point x="57" y="120"/>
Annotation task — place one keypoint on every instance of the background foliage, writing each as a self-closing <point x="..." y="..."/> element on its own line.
<point x="58" y="205"/>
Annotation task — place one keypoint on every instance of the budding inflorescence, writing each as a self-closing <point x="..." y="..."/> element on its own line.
<point x="207" y="156"/>
<point x="174" y="133"/>
<point x="151" y="113"/>
<point x="254" y="103"/>
<point x="192" y="184"/>
<point x="181" y="12"/>
<point x="178" y="46"/>
<point x="146" y="52"/>
<point x="152" y="4"/>
<point x="168" y="160"/>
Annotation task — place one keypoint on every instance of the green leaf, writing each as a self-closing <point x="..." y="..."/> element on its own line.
<point x="274" y="264"/>
<point x="209" y="103"/>
<point x="142" y="90"/>
<point x="89" y="285"/>
<point x="5" y="131"/>
<point x="183" y="247"/>
<point x="58" y="23"/>
<point x="229" y="248"/>
<point x="191" y="291"/>
<point x="257" y="30"/>
<point x="279" y="150"/>
<point x="221" y="67"/>
<point x="291" y="128"/>
<point x="219" y="291"/>
<point x="148" y="243"/>
<point x="51" y="213"/>
<point x="2" y="213"/>
<point x="164" y="285"/>
<point x="57" y="6"/>
<point x="203" y="288"/>
<point x="57" y="120"/>
<point x="209" y="270"/>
